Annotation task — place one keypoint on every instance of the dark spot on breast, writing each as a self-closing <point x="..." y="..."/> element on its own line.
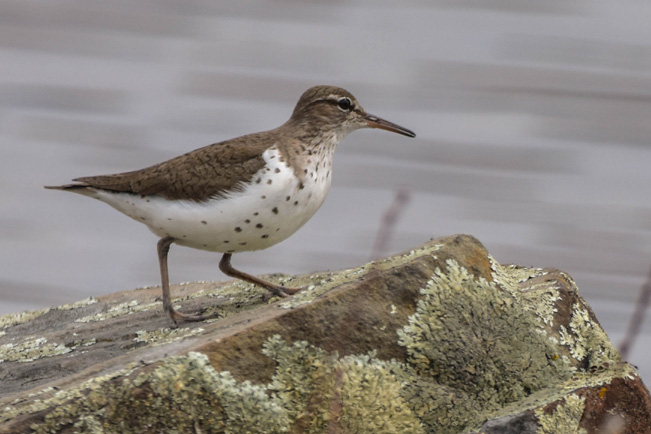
<point x="143" y="219"/>
<point x="301" y="186"/>
<point x="243" y="243"/>
<point x="247" y="221"/>
<point x="269" y="181"/>
<point x="287" y="198"/>
<point x="256" y="213"/>
<point x="259" y="225"/>
<point x="265" y="236"/>
<point x="277" y="170"/>
<point x="205" y="245"/>
<point x="295" y="202"/>
<point x="226" y="241"/>
<point x="257" y="181"/>
<point x="238" y="229"/>
<point x="275" y="210"/>
<point x="203" y="222"/>
<point x="230" y="251"/>
<point x="263" y="197"/>
<point x="305" y="171"/>
<point x="148" y="200"/>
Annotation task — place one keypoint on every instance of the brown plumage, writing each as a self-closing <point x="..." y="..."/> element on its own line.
<point x="198" y="175"/>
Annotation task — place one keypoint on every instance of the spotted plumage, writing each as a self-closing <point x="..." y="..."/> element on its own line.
<point x="247" y="193"/>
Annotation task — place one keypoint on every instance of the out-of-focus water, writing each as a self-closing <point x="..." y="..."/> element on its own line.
<point x="533" y="123"/>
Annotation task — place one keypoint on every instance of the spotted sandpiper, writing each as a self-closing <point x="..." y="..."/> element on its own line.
<point x="243" y="194"/>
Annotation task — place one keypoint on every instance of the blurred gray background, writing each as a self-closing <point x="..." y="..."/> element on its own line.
<point x="533" y="123"/>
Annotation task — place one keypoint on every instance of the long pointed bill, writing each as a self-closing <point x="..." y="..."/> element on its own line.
<point x="376" y="122"/>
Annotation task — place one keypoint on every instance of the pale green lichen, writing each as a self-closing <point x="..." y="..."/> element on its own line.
<point x="13" y="319"/>
<point x="190" y="394"/>
<point x="82" y="343"/>
<point x="186" y="394"/>
<point x="165" y="335"/>
<point x="182" y="394"/>
<point x="303" y="374"/>
<point x="323" y="392"/>
<point x="235" y="289"/>
<point x="586" y="340"/>
<point x="121" y="309"/>
<point x="558" y="391"/>
<point x="318" y="284"/>
<point x="371" y="398"/>
<point x="64" y="400"/>
<point x="490" y="355"/>
<point x="540" y="298"/>
<point x="31" y="349"/>
<point x="510" y="277"/>
<point x="564" y="419"/>
<point x="77" y="304"/>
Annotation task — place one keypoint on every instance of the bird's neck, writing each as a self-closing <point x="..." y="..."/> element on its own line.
<point x="308" y="150"/>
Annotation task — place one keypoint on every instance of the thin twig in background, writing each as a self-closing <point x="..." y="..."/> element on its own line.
<point x="637" y="318"/>
<point x="387" y="226"/>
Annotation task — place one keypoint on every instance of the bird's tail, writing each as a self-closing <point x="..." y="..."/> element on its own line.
<point x="66" y="187"/>
<point x="85" y="190"/>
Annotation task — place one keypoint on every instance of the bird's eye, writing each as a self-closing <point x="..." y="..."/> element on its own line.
<point x="345" y="104"/>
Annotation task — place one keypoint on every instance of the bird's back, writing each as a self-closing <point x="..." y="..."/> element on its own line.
<point x="204" y="173"/>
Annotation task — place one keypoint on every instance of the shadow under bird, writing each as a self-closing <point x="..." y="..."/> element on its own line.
<point x="243" y="194"/>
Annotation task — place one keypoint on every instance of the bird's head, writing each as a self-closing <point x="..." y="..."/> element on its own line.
<point x="330" y="109"/>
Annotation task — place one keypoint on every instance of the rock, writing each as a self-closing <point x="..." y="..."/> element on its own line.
<point x="440" y="339"/>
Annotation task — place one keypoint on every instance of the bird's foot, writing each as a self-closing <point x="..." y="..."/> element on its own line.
<point x="279" y="291"/>
<point x="178" y="317"/>
<point x="291" y="291"/>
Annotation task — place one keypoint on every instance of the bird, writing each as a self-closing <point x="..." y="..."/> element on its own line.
<point x="243" y="194"/>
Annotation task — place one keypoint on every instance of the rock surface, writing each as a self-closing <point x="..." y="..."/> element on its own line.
<point x="441" y="339"/>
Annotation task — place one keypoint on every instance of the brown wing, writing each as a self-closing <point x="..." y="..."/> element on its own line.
<point x="198" y="175"/>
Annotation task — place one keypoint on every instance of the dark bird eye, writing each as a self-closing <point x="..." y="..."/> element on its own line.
<point x="345" y="103"/>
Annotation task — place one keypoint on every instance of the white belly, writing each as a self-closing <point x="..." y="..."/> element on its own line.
<point x="261" y="215"/>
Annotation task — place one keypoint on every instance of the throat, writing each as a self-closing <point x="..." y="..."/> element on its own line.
<point x="312" y="160"/>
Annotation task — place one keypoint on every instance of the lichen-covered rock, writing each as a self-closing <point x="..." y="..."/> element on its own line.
<point x="441" y="339"/>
